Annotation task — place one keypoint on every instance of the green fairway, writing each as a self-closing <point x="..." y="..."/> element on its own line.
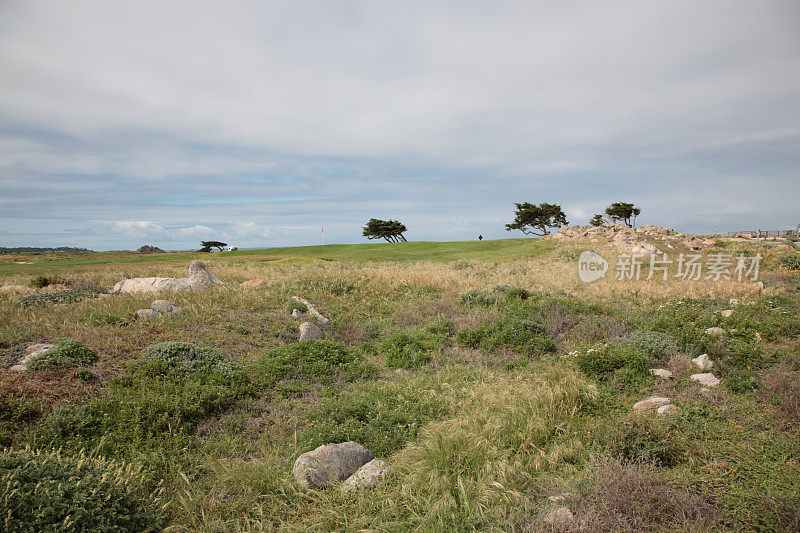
<point x="495" y="250"/>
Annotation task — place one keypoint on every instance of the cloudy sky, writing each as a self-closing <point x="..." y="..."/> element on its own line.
<point x="259" y="123"/>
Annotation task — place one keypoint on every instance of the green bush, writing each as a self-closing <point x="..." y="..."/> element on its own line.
<point x="60" y="297"/>
<point x="524" y="336"/>
<point x="185" y="357"/>
<point x="382" y="417"/>
<point x="47" y="491"/>
<point x="413" y="349"/>
<point x="65" y="353"/>
<point x="619" y="359"/>
<point x="325" y="361"/>
<point x="478" y="299"/>
<point x="512" y="292"/>
<point x="639" y="439"/>
<point x="300" y="306"/>
<point x="652" y="343"/>
<point x="41" y="281"/>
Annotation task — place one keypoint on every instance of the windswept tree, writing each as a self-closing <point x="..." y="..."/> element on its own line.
<point x="533" y="219"/>
<point x="596" y="220"/>
<point x="389" y="230"/>
<point x="208" y="245"/>
<point x="623" y="211"/>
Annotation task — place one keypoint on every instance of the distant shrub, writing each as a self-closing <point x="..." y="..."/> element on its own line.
<point x="620" y="359"/>
<point x="185" y="357"/>
<point x="65" y="353"/>
<point x="41" y="281"/>
<point x="300" y="306"/>
<point x="60" y="297"/>
<point x="382" y="416"/>
<point x="47" y="491"/>
<point x="522" y="336"/>
<point x="652" y="343"/>
<point x="413" y="349"/>
<point x="512" y="292"/>
<point x="106" y="319"/>
<point x="338" y="287"/>
<point x="325" y="361"/>
<point x="478" y="299"/>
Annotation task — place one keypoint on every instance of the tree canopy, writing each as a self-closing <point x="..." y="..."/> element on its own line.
<point x="207" y="245"/>
<point x="596" y="220"/>
<point x="623" y="211"/>
<point x="389" y="230"/>
<point x="533" y="219"/>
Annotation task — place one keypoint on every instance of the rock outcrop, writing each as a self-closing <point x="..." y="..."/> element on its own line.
<point x="310" y="332"/>
<point x="31" y="353"/>
<point x="199" y="277"/>
<point x="321" y="320"/>
<point x="329" y="464"/>
<point x="651" y="404"/>
<point x="368" y="475"/>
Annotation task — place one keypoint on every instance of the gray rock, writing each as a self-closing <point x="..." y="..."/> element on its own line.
<point x="329" y="464"/>
<point x="31" y="352"/>
<point x="703" y="362"/>
<point x="198" y="278"/>
<point x="715" y="331"/>
<point x="368" y="475"/>
<point x="560" y="518"/>
<point x="667" y="410"/>
<point x="310" y="331"/>
<point x="296" y="313"/>
<point x="147" y="314"/>
<point x="661" y="372"/>
<point x="651" y="404"/>
<point x="726" y="313"/>
<point x="706" y="380"/>
<point x="165" y="307"/>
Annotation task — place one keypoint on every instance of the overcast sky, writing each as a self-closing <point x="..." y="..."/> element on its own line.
<point x="259" y="123"/>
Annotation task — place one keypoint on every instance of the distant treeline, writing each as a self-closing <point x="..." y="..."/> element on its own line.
<point x="34" y="250"/>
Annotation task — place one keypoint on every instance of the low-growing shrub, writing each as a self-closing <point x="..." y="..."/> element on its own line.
<point x="185" y="357"/>
<point x="512" y="292"/>
<point x="65" y="353"/>
<point x="523" y="336"/>
<point x="617" y="359"/>
<point x="657" y="346"/>
<point x="41" y="281"/>
<point x="59" y="297"/>
<point x="478" y="299"/>
<point x="382" y="417"/>
<point x="48" y="491"/>
<point x="413" y="349"/>
<point x="325" y="361"/>
<point x="300" y="306"/>
<point x="641" y="439"/>
<point x="15" y="412"/>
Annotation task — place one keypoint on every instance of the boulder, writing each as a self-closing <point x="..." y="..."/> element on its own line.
<point x="726" y="313"/>
<point x="706" y="380"/>
<point x="165" y="307"/>
<point x="651" y="404"/>
<point x="703" y="362"/>
<point x="310" y="332"/>
<point x="31" y="352"/>
<point x="198" y="278"/>
<point x="14" y="290"/>
<point x="715" y="331"/>
<point x="147" y="314"/>
<point x="661" y="372"/>
<point x="667" y="410"/>
<point x="368" y="475"/>
<point x="329" y="464"/>
<point x="559" y="518"/>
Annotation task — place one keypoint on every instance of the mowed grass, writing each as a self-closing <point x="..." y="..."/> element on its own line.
<point x="489" y="383"/>
<point x="494" y="250"/>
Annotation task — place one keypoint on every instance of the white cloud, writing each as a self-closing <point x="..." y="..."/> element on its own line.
<point x="251" y="229"/>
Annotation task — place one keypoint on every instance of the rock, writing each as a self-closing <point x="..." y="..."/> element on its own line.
<point x="147" y="314"/>
<point x="20" y="290"/>
<point x="703" y="362"/>
<point x="330" y="463"/>
<point x="31" y="352"/>
<point x="310" y="331"/>
<point x="321" y="320"/>
<point x="651" y="404"/>
<point x="726" y="313"/>
<point x="662" y="373"/>
<point x="165" y="307"/>
<point x="296" y="313"/>
<point x="368" y="475"/>
<point x="733" y="302"/>
<point x="252" y="283"/>
<point x="757" y="337"/>
<point x="667" y="410"/>
<point x="198" y="278"/>
<point x="715" y="331"/>
<point x="560" y="518"/>
<point x="706" y="380"/>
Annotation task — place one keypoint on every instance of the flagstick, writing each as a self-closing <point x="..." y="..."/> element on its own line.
<point x="323" y="236"/>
